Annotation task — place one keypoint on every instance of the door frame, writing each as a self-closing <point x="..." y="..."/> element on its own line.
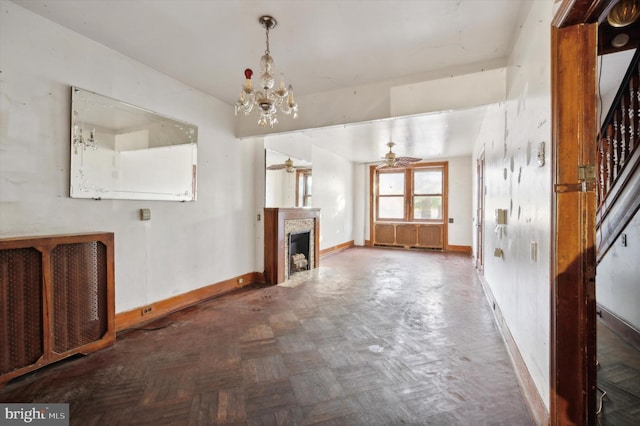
<point x="574" y="36"/>
<point x="480" y="200"/>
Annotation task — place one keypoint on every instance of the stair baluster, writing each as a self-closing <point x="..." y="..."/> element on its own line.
<point x="624" y="127"/>
<point x="618" y="156"/>
<point x="608" y="162"/>
<point x="616" y="138"/>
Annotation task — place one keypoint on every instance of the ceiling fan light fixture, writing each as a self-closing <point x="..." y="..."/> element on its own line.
<point x="267" y="99"/>
<point x="288" y="164"/>
<point x="392" y="160"/>
<point x="624" y="13"/>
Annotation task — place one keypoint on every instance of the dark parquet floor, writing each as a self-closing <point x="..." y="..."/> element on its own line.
<point x="619" y="377"/>
<point x="372" y="337"/>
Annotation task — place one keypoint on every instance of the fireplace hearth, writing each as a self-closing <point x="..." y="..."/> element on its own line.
<point x="281" y="259"/>
<point x="299" y="251"/>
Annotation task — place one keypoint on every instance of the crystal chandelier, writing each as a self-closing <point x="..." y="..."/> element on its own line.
<point x="267" y="99"/>
<point x="78" y="139"/>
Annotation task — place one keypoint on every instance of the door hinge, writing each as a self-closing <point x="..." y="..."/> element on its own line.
<point x="587" y="173"/>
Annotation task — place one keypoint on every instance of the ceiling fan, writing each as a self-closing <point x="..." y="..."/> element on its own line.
<point x="392" y="160"/>
<point x="288" y="166"/>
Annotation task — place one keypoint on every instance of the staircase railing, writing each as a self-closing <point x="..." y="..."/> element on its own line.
<point x="618" y="179"/>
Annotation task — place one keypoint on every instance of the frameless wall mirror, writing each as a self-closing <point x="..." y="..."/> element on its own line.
<point x="288" y="181"/>
<point x="120" y="151"/>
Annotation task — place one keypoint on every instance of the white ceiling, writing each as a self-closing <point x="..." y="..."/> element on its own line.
<point x="321" y="45"/>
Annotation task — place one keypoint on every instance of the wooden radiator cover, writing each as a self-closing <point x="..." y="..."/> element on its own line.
<point x="427" y="235"/>
<point x="56" y="299"/>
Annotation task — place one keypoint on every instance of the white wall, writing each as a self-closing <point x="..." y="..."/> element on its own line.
<point x="611" y="70"/>
<point x="333" y="193"/>
<point x="361" y="189"/>
<point x="617" y="288"/>
<point x="460" y="201"/>
<point x="282" y="188"/>
<point x="185" y="245"/>
<point x="516" y="183"/>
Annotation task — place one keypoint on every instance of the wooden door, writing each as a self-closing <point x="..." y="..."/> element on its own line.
<point x="574" y="136"/>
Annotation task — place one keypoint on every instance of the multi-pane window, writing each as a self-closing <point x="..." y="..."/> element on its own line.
<point x="427" y="193"/>
<point x="412" y="194"/>
<point x="304" y="184"/>
<point x="391" y="187"/>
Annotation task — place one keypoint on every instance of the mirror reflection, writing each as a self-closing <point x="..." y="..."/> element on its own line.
<point x="120" y="151"/>
<point x="288" y="181"/>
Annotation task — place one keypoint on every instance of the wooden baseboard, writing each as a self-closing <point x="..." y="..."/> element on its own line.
<point x="463" y="249"/>
<point x="368" y="243"/>
<point x="336" y="249"/>
<point x="625" y="330"/>
<point x="158" y="309"/>
<point x="534" y="402"/>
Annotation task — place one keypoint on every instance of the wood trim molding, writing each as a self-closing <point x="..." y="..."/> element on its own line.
<point x="463" y="249"/>
<point x="534" y="401"/>
<point x="161" y="308"/>
<point x="572" y="316"/>
<point x="52" y="317"/>
<point x="574" y="12"/>
<point x="336" y="249"/>
<point x="274" y="239"/>
<point x="444" y="165"/>
<point x="625" y="330"/>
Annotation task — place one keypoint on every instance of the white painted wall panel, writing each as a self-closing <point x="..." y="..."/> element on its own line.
<point x="460" y="201"/>
<point x="617" y="282"/>
<point x="185" y="245"/>
<point x="515" y="182"/>
<point x="333" y="186"/>
<point x="454" y="92"/>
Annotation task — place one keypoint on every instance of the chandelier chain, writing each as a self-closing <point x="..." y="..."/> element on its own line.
<point x="267" y="51"/>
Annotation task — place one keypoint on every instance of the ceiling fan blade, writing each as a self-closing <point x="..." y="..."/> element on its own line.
<point x="407" y="159"/>
<point x="276" y="167"/>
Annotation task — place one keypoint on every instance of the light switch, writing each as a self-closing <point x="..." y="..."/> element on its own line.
<point x="533" y="255"/>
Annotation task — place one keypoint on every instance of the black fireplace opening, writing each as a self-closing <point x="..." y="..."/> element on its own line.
<point x="299" y="248"/>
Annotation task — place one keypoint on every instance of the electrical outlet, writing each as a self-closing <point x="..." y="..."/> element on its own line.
<point x="147" y="310"/>
<point x="240" y="280"/>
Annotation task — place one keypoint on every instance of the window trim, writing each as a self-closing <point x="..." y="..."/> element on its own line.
<point x="408" y="193"/>
<point x="377" y="196"/>
<point x="301" y="188"/>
